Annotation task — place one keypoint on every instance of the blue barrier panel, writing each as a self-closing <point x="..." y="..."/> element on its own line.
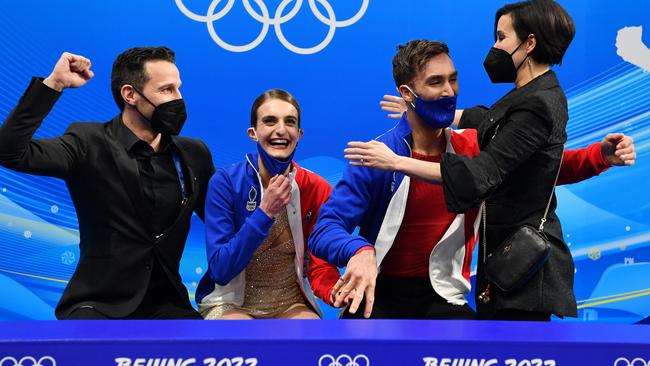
<point x="323" y="343"/>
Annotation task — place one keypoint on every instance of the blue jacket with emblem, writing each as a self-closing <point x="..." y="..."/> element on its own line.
<point x="236" y="226"/>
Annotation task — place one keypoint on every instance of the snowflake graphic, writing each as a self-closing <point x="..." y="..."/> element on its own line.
<point x="67" y="257"/>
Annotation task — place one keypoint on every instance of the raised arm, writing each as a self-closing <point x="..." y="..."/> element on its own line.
<point x="53" y="156"/>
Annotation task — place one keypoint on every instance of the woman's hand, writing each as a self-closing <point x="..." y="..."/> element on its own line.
<point x="277" y="196"/>
<point x="373" y="154"/>
<point x="394" y="104"/>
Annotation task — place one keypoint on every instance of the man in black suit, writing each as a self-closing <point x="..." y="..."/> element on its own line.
<point x="133" y="182"/>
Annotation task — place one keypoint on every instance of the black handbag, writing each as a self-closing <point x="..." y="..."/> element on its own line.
<point x="517" y="259"/>
<point x="521" y="255"/>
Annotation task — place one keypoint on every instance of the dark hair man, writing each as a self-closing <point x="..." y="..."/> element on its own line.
<point x="134" y="184"/>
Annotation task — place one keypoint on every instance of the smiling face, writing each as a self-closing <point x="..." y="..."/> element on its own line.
<point x="436" y="79"/>
<point x="277" y="128"/>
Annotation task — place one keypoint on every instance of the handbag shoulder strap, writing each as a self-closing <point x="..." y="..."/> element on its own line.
<point x="483" y="208"/>
<point x="550" y="198"/>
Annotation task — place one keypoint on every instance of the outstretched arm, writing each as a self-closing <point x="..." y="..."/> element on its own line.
<point x="616" y="149"/>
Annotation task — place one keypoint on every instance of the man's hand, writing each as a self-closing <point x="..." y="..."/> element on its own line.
<point x="618" y="149"/>
<point x="337" y="287"/>
<point x="359" y="279"/>
<point x="71" y="71"/>
<point x="276" y="196"/>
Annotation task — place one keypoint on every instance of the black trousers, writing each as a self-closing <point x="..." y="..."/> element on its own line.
<point x="161" y="301"/>
<point x="521" y="315"/>
<point x="165" y="311"/>
<point x="410" y="298"/>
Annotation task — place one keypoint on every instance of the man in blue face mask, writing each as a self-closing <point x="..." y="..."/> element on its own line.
<point x="423" y="251"/>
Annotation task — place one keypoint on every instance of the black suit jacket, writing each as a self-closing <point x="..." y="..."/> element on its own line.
<point x="117" y="246"/>
<point x="521" y="138"/>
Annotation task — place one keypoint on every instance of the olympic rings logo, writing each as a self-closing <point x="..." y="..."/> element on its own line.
<point x="10" y="361"/>
<point x="622" y="361"/>
<point x="276" y="21"/>
<point x="338" y="361"/>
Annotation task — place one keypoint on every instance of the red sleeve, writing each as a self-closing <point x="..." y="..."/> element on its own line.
<point x="581" y="164"/>
<point x="322" y="275"/>
<point x="363" y="249"/>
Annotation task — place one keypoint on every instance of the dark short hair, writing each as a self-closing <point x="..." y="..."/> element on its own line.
<point x="128" y="68"/>
<point x="552" y="26"/>
<point x="412" y="56"/>
<point x="273" y="94"/>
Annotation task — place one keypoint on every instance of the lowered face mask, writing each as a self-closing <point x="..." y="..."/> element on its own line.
<point x="273" y="165"/>
<point x="437" y="113"/>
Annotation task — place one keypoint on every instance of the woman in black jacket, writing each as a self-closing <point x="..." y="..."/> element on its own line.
<point x="521" y="137"/>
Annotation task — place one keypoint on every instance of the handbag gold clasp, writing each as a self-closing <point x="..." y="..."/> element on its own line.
<point x="485" y="295"/>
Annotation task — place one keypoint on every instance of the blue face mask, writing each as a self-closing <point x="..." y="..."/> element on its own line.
<point x="437" y="113"/>
<point x="273" y="165"/>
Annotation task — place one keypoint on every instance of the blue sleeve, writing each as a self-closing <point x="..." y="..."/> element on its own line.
<point x="230" y="251"/>
<point x="332" y="238"/>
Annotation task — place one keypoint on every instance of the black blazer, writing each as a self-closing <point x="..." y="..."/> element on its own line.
<point x="521" y="137"/>
<point x="117" y="247"/>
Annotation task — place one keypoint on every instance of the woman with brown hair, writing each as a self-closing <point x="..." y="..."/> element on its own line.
<point x="259" y="214"/>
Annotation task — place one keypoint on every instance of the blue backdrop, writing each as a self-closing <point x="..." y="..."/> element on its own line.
<point x="335" y="57"/>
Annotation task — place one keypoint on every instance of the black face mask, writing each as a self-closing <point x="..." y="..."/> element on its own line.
<point x="168" y="118"/>
<point x="500" y="67"/>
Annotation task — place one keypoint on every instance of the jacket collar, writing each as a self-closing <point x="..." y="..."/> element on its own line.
<point x="403" y="129"/>
<point x="404" y="132"/>
<point x="128" y="139"/>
